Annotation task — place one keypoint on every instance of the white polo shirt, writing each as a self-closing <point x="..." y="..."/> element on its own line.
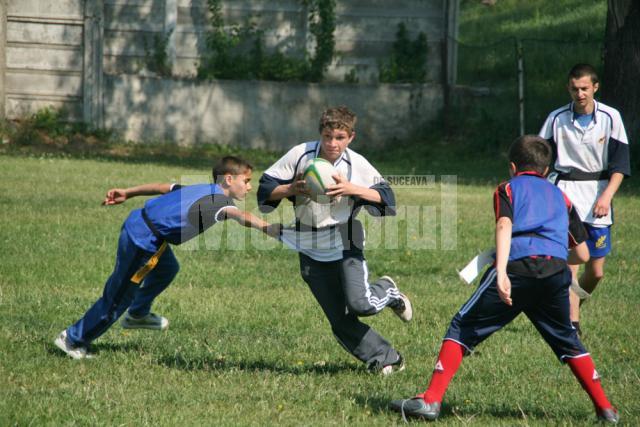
<point x="324" y="243"/>
<point x="600" y="146"/>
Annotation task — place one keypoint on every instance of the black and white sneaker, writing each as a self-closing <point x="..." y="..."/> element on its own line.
<point x="76" y="352"/>
<point x="386" y="370"/>
<point x="402" y="306"/>
<point x="416" y="407"/>
<point x="150" y="321"/>
<point x="608" y="416"/>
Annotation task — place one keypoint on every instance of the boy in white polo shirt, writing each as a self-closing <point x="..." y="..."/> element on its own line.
<point x="331" y="241"/>
<point x="592" y="158"/>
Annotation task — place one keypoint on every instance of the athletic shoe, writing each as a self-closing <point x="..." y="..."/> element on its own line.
<point x="74" y="351"/>
<point x="402" y="306"/>
<point x="609" y="416"/>
<point x="387" y="370"/>
<point x="581" y="293"/>
<point x="416" y="407"/>
<point x="150" y="321"/>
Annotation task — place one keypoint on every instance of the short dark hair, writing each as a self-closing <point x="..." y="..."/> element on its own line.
<point x="531" y="153"/>
<point x="230" y="165"/>
<point x="338" y="118"/>
<point x="578" y="71"/>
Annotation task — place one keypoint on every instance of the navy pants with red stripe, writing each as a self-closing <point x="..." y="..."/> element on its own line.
<point x="544" y="301"/>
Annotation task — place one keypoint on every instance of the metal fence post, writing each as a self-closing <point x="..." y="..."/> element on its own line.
<point x="92" y="72"/>
<point x="3" y="54"/>
<point x="170" y="24"/>
<point x="520" y="84"/>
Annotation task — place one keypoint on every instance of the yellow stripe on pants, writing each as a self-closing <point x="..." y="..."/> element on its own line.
<point x="150" y="265"/>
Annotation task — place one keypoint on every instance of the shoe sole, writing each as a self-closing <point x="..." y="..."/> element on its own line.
<point x="60" y="343"/>
<point x="149" y="328"/>
<point x="414" y="414"/>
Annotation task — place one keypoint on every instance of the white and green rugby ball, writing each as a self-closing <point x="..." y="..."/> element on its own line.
<point x="318" y="174"/>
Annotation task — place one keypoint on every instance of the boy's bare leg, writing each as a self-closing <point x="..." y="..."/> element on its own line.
<point x="593" y="273"/>
<point x="574" y="299"/>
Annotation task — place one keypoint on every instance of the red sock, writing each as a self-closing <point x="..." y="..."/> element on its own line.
<point x="448" y="362"/>
<point x="585" y="371"/>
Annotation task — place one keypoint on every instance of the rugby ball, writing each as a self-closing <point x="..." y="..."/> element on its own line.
<point x="318" y="175"/>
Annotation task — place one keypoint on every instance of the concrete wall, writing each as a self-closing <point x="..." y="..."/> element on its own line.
<point x="365" y="31"/>
<point x="43" y="56"/>
<point x="72" y="54"/>
<point x="261" y="114"/>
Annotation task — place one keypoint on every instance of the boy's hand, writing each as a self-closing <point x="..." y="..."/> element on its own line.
<point x="504" y="288"/>
<point x="602" y="206"/>
<point x="299" y="186"/>
<point x="115" y="196"/>
<point x="342" y="187"/>
<point x="273" y="230"/>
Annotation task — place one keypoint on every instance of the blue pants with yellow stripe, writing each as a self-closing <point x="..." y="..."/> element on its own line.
<point x="121" y="291"/>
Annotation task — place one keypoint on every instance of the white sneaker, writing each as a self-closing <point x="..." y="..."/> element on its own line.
<point x="75" y="352"/>
<point x="402" y="306"/>
<point x="385" y="371"/>
<point x="150" y="321"/>
<point x="577" y="289"/>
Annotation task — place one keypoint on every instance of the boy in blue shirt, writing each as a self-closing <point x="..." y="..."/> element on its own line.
<point x="145" y="264"/>
<point x="535" y="226"/>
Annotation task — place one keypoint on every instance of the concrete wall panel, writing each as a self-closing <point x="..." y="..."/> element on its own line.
<point x="44" y="58"/>
<point x="242" y="113"/>
<point x="44" y="33"/>
<point x="43" y="84"/>
<point x="66" y="9"/>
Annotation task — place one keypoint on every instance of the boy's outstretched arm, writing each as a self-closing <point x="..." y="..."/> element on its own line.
<point x="116" y="196"/>
<point x="249" y="220"/>
<point x="503" y="246"/>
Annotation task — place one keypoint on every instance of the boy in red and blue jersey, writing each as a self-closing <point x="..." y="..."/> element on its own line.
<point x="145" y="264"/>
<point x="535" y="226"/>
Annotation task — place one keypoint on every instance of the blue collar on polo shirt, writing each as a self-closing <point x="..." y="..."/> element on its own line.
<point x="576" y="116"/>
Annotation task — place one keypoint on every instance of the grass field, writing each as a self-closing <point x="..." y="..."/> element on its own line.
<point x="247" y="343"/>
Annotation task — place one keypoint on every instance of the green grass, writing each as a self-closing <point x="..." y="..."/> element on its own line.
<point x="247" y="343"/>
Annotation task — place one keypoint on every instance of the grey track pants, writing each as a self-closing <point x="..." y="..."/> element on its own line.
<point x="325" y="279"/>
<point x="363" y="298"/>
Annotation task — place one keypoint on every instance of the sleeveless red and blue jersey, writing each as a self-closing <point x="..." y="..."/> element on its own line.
<point x="540" y="215"/>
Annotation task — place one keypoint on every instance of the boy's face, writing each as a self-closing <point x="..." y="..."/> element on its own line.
<point x="334" y="142"/>
<point x="238" y="185"/>
<point x="582" y="91"/>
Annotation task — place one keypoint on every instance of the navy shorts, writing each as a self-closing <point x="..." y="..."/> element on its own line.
<point x="599" y="241"/>
<point x="544" y="301"/>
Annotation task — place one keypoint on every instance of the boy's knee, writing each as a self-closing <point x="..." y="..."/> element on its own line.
<point x="360" y="307"/>
<point x="595" y="273"/>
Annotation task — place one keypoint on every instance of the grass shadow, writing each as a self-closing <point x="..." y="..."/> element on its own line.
<point x="206" y="363"/>
<point x="455" y="409"/>
<point x="97" y="349"/>
<point x="381" y="405"/>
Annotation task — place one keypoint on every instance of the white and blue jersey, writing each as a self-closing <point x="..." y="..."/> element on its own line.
<point x="588" y="150"/>
<point x="316" y="234"/>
